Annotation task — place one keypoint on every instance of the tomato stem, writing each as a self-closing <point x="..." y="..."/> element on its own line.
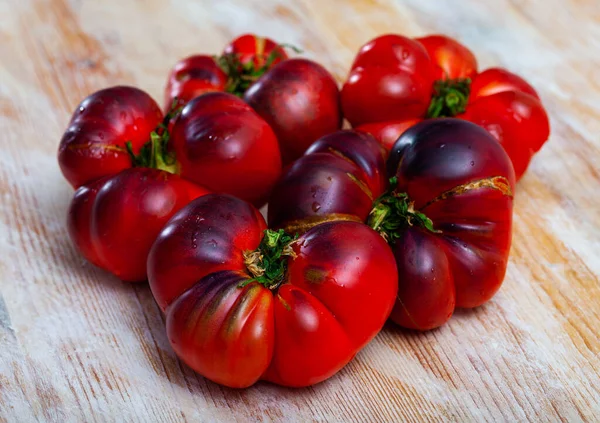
<point x="450" y="98"/>
<point x="155" y="153"/>
<point x="393" y="212"/>
<point x="242" y="75"/>
<point x="268" y="263"/>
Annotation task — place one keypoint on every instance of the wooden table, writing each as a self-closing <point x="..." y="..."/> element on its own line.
<point x="78" y="345"/>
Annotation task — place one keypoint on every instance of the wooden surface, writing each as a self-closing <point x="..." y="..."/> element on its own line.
<point x="78" y="345"/>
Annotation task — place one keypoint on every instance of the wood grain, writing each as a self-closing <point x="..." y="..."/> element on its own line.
<point x="78" y="345"/>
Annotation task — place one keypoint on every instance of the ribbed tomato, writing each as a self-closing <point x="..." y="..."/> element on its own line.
<point x="244" y="304"/>
<point x="222" y="144"/>
<point x="301" y="102"/>
<point x="242" y="62"/>
<point x="395" y="82"/>
<point x="447" y="215"/>
<point x="113" y="221"/>
<point x="94" y="144"/>
<point x="192" y="77"/>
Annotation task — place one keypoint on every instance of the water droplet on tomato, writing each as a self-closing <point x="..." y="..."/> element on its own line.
<point x="314" y="190"/>
<point x="329" y="178"/>
<point x="357" y="258"/>
<point x="472" y="163"/>
<point x="81" y="109"/>
<point x="101" y="135"/>
<point x="316" y="206"/>
<point x="442" y="145"/>
<point x="405" y="54"/>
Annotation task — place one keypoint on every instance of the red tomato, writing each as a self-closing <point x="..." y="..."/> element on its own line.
<point x="391" y="79"/>
<point x="104" y="217"/>
<point x="222" y="144"/>
<point x="517" y="120"/>
<point x="448" y="216"/>
<point x="338" y="178"/>
<point x="510" y="109"/>
<point x="452" y="60"/>
<point x="93" y="145"/>
<point x="250" y="48"/>
<point x="300" y="101"/>
<point x="497" y="80"/>
<point x="294" y="319"/>
<point x="191" y="77"/>
<point x="382" y="95"/>
<point x="388" y="132"/>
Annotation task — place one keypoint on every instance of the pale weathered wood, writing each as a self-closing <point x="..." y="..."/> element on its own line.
<point x="78" y="345"/>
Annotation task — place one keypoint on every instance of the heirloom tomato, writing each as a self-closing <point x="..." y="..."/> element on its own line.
<point x="242" y="62"/>
<point x="301" y="102"/>
<point x="114" y="220"/>
<point x="447" y="214"/>
<point x="133" y="175"/>
<point x="395" y="82"/>
<point x="243" y="303"/>
<point x="94" y="144"/>
<point x="224" y="145"/>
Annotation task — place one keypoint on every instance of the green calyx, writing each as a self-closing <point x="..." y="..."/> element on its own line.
<point x="242" y="75"/>
<point x="393" y="212"/>
<point x="155" y="153"/>
<point x="268" y="264"/>
<point x="450" y="98"/>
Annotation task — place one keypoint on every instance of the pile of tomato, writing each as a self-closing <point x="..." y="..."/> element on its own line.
<point x="405" y="217"/>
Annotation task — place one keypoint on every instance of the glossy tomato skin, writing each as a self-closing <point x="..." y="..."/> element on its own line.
<point x="391" y="86"/>
<point x="338" y="177"/>
<point x="236" y="335"/>
<point x="497" y="80"/>
<point x="391" y="79"/>
<point x="451" y="59"/>
<point x="341" y="288"/>
<point x="206" y="237"/>
<point x="301" y="102"/>
<point x="221" y="143"/>
<point x="114" y="221"/>
<point x="454" y="173"/>
<point x="425" y="283"/>
<point x="192" y="77"/>
<point x="517" y="120"/>
<point x="459" y="177"/>
<point x="93" y="145"/>
<point x="253" y="48"/>
<point x="79" y="222"/>
<point x="387" y="133"/>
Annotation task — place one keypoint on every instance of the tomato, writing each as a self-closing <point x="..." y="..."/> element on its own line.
<point x="300" y="101"/>
<point x="192" y="77"/>
<point x="497" y="80"/>
<point x="242" y="62"/>
<point x="391" y="78"/>
<point x="447" y="215"/>
<point x="222" y="144"/>
<point x="517" y="120"/>
<point x="338" y="178"/>
<point x="451" y="59"/>
<point x="510" y="109"/>
<point x="258" y="51"/>
<point x="382" y="95"/>
<point x="93" y="145"/>
<point x="114" y="220"/>
<point x="244" y="304"/>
